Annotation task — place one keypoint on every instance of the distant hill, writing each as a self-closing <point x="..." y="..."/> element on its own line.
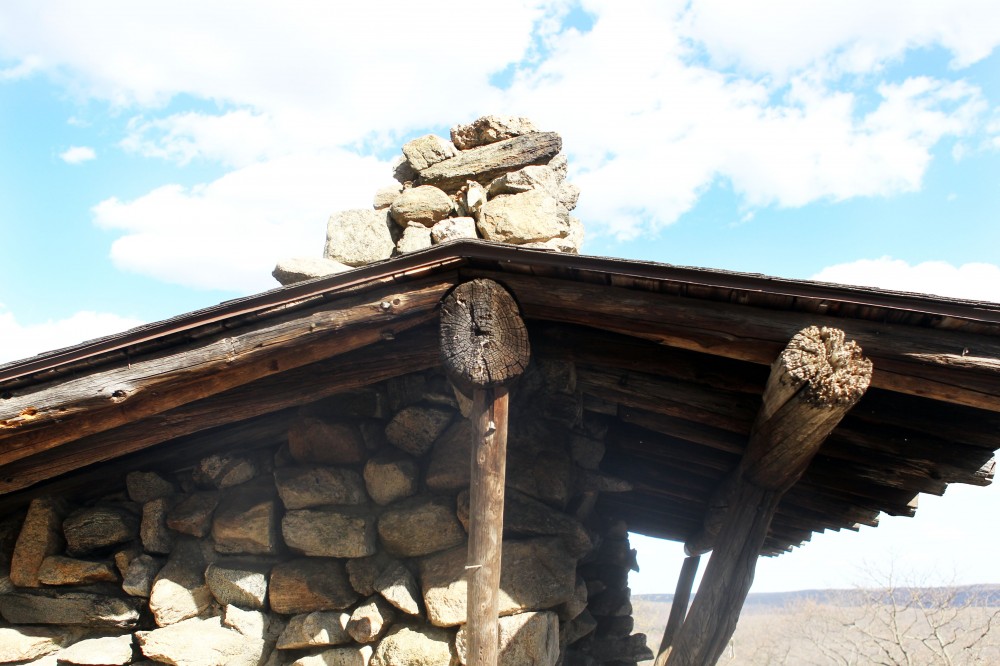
<point x="963" y="595"/>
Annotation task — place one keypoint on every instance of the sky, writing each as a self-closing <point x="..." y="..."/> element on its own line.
<point x="156" y="158"/>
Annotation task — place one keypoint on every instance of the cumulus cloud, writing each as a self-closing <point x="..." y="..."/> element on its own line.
<point x="24" y="340"/>
<point x="77" y="154"/>
<point x="654" y="111"/>
<point x="975" y="281"/>
<point x="228" y="234"/>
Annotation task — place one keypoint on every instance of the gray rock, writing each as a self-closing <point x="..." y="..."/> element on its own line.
<point x="246" y="522"/>
<point x="91" y="529"/>
<point x="358" y="237"/>
<point x="580" y="626"/>
<point x="299" y="269"/>
<point x="415" y="646"/>
<point x="422" y="205"/>
<point x="304" y="487"/>
<point x="313" y="440"/>
<point x="341" y="656"/>
<point x="223" y="471"/>
<point x="40" y="536"/>
<point x="403" y="171"/>
<point x="140" y="575"/>
<point x="19" y="644"/>
<point x="309" y="584"/>
<point x="250" y="623"/>
<point x="427" y="150"/>
<point x="586" y="451"/>
<point x="384" y="196"/>
<point x="414" y="429"/>
<point x="243" y="586"/>
<point x="537" y="574"/>
<point x="60" y="570"/>
<point x="80" y="609"/>
<point x="529" y="178"/>
<point x="397" y="585"/>
<point x="156" y="538"/>
<point x="420" y="526"/>
<point x="193" y="514"/>
<point x="200" y="642"/>
<point x="470" y="199"/>
<point x="526" y="516"/>
<point x="390" y="476"/>
<point x="448" y="469"/>
<point x="100" y="651"/>
<point x="532" y="216"/>
<point x="415" y="237"/>
<point x="179" y="591"/>
<point x="576" y="604"/>
<point x="490" y="129"/>
<point x="330" y="532"/>
<point x="527" y="639"/>
<point x="363" y="571"/>
<point x="485" y="163"/>
<point x="370" y="620"/>
<point x="147" y="486"/>
<point x="570" y="244"/>
<point x="453" y="228"/>
<point x="123" y="556"/>
<point x="315" y="630"/>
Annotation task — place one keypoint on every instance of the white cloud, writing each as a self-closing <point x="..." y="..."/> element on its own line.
<point x="77" y="154"/>
<point x="22" y="70"/>
<point x="782" y="37"/>
<point x="975" y="281"/>
<point x="649" y="125"/>
<point x="228" y="234"/>
<point x="21" y="341"/>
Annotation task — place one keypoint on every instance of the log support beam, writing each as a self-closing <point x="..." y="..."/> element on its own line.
<point x="679" y="606"/>
<point x="813" y="383"/>
<point x="484" y="348"/>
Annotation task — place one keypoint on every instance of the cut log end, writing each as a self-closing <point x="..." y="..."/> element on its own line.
<point x="484" y="342"/>
<point x="831" y="371"/>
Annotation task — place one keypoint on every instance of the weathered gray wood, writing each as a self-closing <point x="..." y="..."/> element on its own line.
<point x="944" y="365"/>
<point x="679" y="605"/>
<point x="486" y="501"/>
<point x="484" y="348"/>
<point x="485" y="163"/>
<point x="414" y="351"/>
<point x="816" y="379"/>
<point x="484" y="342"/>
<point x="44" y="416"/>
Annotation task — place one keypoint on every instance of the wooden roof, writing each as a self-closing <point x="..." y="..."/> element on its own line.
<point x="672" y="359"/>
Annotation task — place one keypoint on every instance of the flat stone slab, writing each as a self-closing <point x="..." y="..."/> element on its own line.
<point x="78" y="609"/>
<point x="484" y="163"/>
<point x="310" y="584"/>
<point x="305" y="487"/>
<point x="330" y="532"/>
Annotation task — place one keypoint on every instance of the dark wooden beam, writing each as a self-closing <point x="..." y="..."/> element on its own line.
<point x="36" y="418"/>
<point x="944" y="365"/>
<point x="816" y="379"/>
<point x="410" y="352"/>
<point x="679" y="606"/>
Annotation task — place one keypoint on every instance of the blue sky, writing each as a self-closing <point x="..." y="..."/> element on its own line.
<point x="155" y="160"/>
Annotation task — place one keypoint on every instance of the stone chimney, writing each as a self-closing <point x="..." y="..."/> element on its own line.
<point x="498" y="179"/>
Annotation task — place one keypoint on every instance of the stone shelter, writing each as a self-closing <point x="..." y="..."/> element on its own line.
<point x="320" y="474"/>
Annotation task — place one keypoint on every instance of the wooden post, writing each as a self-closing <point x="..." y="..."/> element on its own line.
<point x="813" y="383"/>
<point x="484" y="347"/>
<point x="679" y="606"/>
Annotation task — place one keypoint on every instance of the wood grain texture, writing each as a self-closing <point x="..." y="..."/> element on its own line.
<point x="484" y="342"/>
<point x="47" y="415"/>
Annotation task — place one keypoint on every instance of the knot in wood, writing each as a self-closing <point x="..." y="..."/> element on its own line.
<point x="484" y="341"/>
<point x="832" y="371"/>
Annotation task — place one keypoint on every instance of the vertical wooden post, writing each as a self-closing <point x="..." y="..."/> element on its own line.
<point x="484" y="348"/>
<point x="679" y="606"/>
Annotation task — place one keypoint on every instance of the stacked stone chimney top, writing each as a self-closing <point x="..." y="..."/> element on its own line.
<point x="498" y="179"/>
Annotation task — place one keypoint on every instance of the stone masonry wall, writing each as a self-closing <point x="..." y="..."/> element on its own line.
<point x="343" y="545"/>
<point x="498" y="179"/>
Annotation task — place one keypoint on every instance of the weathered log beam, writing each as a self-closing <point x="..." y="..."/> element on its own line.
<point x="484" y="348"/>
<point x="944" y="365"/>
<point x="813" y="383"/>
<point x="41" y="417"/>
<point x="411" y="352"/>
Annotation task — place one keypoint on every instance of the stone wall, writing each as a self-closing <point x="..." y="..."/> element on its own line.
<point x="498" y="179"/>
<point x="343" y="544"/>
